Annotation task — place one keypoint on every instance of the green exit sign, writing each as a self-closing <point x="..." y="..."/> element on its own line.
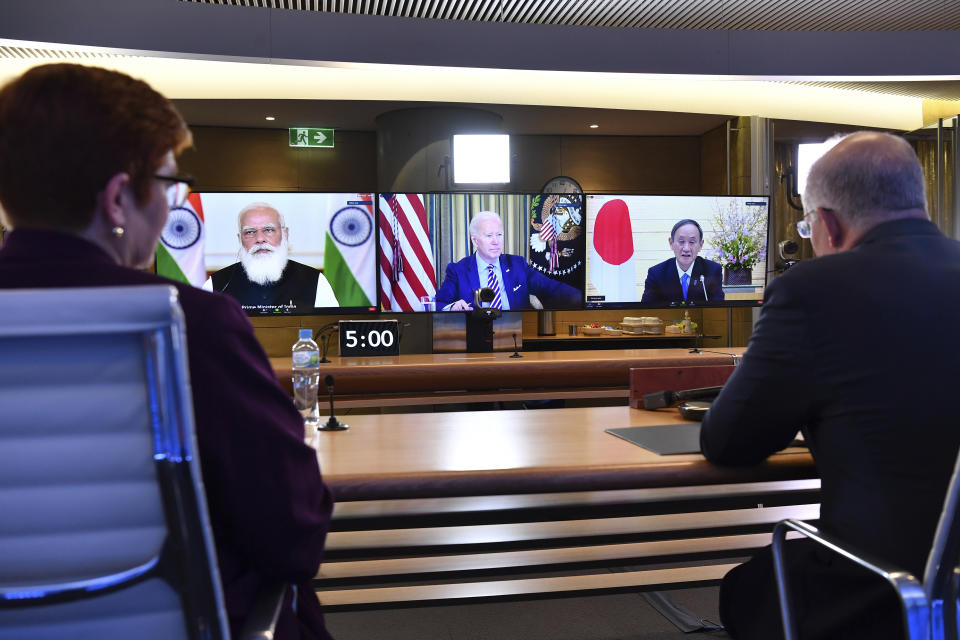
<point x="317" y="138"/>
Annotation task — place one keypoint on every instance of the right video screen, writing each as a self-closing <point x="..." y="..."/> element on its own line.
<point x="675" y="251"/>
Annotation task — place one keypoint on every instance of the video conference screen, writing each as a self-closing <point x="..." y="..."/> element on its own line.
<point x="675" y="251"/>
<point x="295" y="253"/>
<point x="288" y="253"/>
<point x="528" y="248"/>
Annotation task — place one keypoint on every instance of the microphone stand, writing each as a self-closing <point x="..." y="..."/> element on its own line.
<point x="516" y="350"/>
<point x="699" y="334"/>
<point x="332" y="424"/>
<point x="325" y="333"/>
<point x="696" y="344"/>
<point x="323" y="347"/>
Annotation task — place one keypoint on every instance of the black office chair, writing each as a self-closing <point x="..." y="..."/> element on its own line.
<point x="104" y="521"/>
<point x="930" y="608"/>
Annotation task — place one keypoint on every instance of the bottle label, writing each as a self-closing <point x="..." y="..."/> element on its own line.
<point x="306" y="359"/>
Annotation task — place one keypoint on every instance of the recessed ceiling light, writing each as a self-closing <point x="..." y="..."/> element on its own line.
<point x="270" y="118"/>
<point x="594" y="126"/>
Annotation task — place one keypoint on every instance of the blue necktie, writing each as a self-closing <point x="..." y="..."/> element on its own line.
<point x="493" y="284"/>
<point x="685" y="283"/>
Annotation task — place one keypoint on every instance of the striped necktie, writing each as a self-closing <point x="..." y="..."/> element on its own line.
<point x="685" y="283"/>
<point x="493" y="284"/>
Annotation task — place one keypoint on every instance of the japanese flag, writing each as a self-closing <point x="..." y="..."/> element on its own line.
<point x="612" y="271"/>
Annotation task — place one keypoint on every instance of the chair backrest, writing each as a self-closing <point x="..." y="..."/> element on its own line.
<point x="940" y="577"/>
<point x="104" y="530"/>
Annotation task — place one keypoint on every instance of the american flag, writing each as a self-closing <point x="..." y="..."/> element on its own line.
<point x="548" y="233"/>
<point x="406" y="256"/>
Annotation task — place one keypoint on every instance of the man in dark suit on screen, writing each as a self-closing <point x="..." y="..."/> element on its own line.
<point x="266" y="279"/>
<point x="685" y="278"/>
<point x="509" y="276"/>
<point x="846" y="350"/>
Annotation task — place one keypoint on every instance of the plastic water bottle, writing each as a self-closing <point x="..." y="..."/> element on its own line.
<point x="306" y="377"/>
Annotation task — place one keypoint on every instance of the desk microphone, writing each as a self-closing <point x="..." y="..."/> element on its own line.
<point x="702" y="281"/>
<point x="323" y="345"/>
<point x="696" y="342"/>
<point x="332" y="424"/>
<point x="661" y="399"/>
<point x="516" y="350"/>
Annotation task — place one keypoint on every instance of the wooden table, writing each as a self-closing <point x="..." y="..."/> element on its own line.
<point x="492" y="452"/>
<point x="449" y="497"/>
<point x="484" y="377"/>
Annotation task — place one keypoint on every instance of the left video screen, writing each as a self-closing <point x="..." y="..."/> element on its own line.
<point x="277" y="253"/>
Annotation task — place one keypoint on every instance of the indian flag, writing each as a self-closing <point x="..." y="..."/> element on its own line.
<point x="180" y="250"/>
<point x="349" y="259"/>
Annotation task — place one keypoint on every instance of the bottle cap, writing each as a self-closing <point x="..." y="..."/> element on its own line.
<point x="306" y="334"/>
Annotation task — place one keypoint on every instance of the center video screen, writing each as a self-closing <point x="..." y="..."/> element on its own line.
<point x="676" y="251"/>
<point x="438" y="249"/>
<point x="289" y="253"/>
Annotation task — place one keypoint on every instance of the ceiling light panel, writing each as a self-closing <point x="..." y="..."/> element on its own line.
<point x="53" y="54"/>
<point x="749" y="15"/>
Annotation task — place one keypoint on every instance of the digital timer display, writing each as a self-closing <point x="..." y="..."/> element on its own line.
<point x="369" y="338"/>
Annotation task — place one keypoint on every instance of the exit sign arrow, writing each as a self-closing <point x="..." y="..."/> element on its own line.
<point x="315" y="138"/>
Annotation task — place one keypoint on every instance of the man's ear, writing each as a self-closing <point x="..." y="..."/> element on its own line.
<point x="116" y="197"/>
<point x="836" y="229"/>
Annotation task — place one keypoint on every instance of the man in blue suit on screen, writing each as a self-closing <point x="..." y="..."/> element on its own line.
<point x="685" y="277"/>
<point x="509" y="276"/>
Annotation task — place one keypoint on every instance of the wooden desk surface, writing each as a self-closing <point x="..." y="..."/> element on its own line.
<point x="485" y="371"/>
<point x="510" y="452"/>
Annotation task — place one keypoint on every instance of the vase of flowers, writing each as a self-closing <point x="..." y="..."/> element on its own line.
<point x="739" y="240"/>
<point x="737" y="276"/>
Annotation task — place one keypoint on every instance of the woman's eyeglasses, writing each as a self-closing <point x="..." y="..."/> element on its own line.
<point x="179" y="188"/>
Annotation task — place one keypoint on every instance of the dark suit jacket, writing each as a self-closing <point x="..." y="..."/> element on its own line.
<point x="857" y="349"/>
<point x="663" y="283"/>
<point x="297" y="286"/>
<point x="519" y="281"/>
<point x="269" y="508"/>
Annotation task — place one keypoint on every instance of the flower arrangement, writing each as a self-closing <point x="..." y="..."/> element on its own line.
<point x="739" y="235"/>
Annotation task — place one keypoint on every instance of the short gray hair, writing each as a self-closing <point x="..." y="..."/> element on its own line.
<point x="258" y="205"/>
<point x="483" y="215"/>
<point x="686" y="221"/>
<point x="864" y="173"/>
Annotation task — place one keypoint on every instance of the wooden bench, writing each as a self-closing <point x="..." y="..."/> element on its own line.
<point x="388" y="553"/>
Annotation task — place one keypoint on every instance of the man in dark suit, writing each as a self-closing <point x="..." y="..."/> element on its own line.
<point x="508" y="275"/>
<point x="685" y="278"/>
<point x="265" y="279"/>
<point x="846" y="350"/>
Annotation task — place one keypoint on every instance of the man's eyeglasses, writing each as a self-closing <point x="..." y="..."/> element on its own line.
<point x="803" y="226"/>
<point x="179" y="188"/>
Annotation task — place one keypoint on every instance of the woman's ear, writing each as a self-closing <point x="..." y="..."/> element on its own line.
<point x="116" y="197"/>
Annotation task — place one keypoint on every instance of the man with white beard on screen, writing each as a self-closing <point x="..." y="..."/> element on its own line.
<point x="265" y="279"/>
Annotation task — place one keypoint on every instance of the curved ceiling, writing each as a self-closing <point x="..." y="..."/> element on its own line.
<point x="603" y="58"/>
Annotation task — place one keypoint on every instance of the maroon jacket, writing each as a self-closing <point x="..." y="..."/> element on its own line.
<point x="269" y="508"/>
